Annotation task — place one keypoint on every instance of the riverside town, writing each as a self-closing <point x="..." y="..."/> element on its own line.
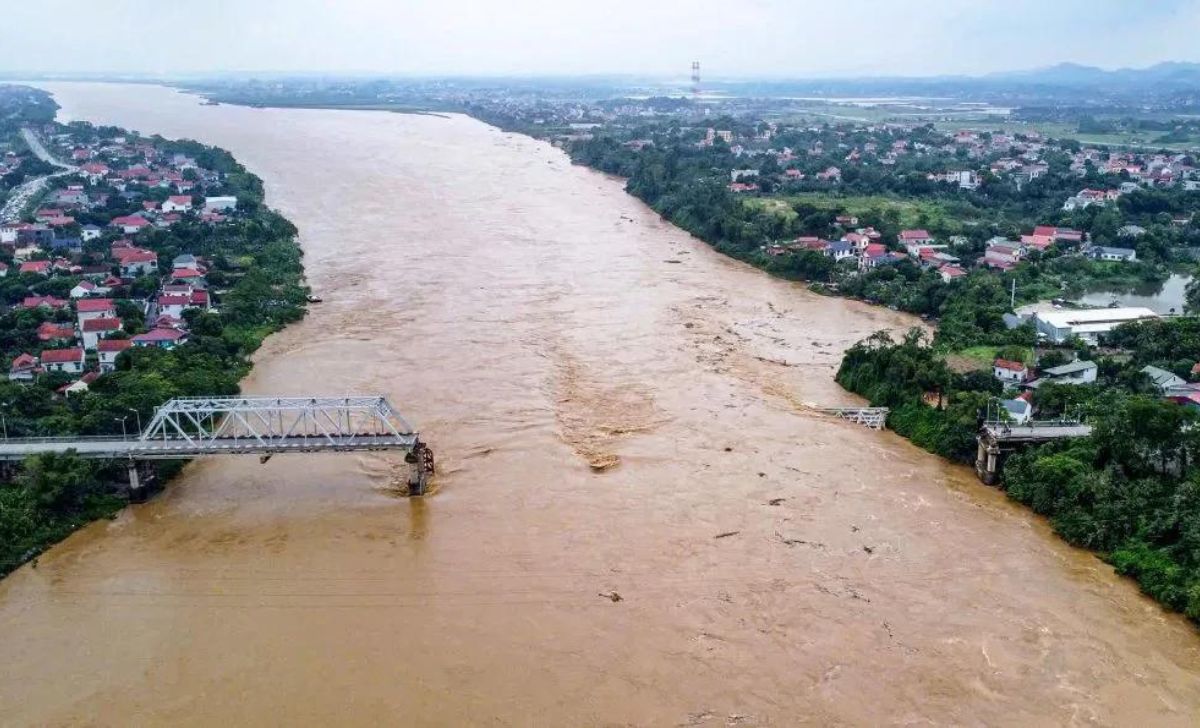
<point x="793" y="381"/>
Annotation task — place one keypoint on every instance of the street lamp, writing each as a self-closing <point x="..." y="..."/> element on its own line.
<point x="122" y="421"/>
<point x="4" y="419"/>
<point x="139" y="419"/>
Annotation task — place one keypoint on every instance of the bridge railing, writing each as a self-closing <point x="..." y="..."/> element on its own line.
<point x="73" y="438"/>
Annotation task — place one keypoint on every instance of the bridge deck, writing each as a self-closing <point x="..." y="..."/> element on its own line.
<point x="1035" y="433"/>
<point x="136" y="449"/>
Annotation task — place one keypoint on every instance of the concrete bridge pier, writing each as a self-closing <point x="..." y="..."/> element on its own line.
<point x="143" y="480"/>
<point x="421" y="460"/>
<point x="987" y="461"/>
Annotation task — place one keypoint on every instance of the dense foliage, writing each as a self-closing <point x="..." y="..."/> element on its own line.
<point x="1131" y="491"/>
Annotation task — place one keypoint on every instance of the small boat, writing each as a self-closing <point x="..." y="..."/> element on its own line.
<point x="313" y="299"/>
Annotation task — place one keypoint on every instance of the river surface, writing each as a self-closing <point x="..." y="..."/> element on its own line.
<point x="607" y="399"/>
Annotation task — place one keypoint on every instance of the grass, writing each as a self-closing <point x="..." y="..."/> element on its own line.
<point x="981" y="358"/>
<point x="911" y="210"/>
<point x="1062" y="130"/>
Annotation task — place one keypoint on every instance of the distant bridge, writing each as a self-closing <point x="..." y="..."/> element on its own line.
<point x="997" y="439"/>
<point x="265" y="426"/>
<point x="873" y="417"/>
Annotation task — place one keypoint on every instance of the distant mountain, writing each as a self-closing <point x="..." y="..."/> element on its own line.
<point x="1168" y="73"/>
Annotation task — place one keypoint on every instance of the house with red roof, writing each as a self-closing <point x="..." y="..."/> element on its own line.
<point x="173" y="304"/>
<point x="23" y="369"/>
<point x="130" y="224"/>
<point x="109" y="350"/>
<point x="99" y="328"/>
<point x="87" y="309"/>
<point x="50" y="331"/>
<point x="68" y="361"/>
<point x="1010" y="372"/>
<point x="40" y="267"/>
<point x="191" y="276"/>
<point x="86" y="288"/>
<point x="915" y="238"/>
<point x="177" y="203"/>
<point x="951" y="272"/>
<point x="79" y="386"/>
<point x="94" y="171"/>
<point x="136" y="262"/>
<point x="44" y="302"/>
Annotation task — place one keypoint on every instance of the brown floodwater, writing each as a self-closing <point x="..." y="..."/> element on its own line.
<point x="535" y="321"/>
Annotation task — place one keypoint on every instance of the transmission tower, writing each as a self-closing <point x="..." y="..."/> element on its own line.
<point x="695" y="78"/>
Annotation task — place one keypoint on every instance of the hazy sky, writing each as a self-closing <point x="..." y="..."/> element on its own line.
<point x="789" y="38"/>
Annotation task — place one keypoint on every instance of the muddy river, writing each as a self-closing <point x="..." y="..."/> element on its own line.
<point x="606" y="397"/>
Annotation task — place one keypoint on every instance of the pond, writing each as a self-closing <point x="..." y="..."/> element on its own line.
<point x="1169" y="296"/>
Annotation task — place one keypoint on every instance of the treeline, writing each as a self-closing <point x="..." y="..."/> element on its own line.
<point x="1130" y="491"/>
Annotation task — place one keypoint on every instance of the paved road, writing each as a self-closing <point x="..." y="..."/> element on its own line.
<point x="31" y="189"/>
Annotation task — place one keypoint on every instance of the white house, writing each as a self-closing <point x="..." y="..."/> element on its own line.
<point x="1076" y="372"/>
<point x="94" y="330"/>
<point x="90" y="232"/>
<point x="137" y="263"/>
<point x="87" y="309"/>
<point x="1019" y="411"/>
<point x="1010" y="372"/>
<point x="177" y="203"/>
<point x="220" y="204"/>
<point x="109" y="350"/>
<point x="85" y="288"/>
<point x="68" y="361"/>
<point x="1101" y="252"/>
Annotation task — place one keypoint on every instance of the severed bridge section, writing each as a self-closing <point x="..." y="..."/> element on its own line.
<point x="194" y="426"/>
<point x="998" y="439"/>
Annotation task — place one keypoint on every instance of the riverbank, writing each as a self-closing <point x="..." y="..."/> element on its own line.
<point x="228" y="281"/>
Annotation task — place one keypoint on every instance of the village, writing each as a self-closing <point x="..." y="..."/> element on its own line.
<point x="83" y="263"/>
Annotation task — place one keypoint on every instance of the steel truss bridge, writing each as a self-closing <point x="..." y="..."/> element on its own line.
<point x="193" y="426"/>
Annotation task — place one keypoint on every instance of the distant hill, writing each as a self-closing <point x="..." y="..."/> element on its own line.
<point x="1169" y="73"/>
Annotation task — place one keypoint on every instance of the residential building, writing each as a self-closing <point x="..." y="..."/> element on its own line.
<point x="1010" y="372"/>
<point x="137" y="263"/>
<point x="220" y="204"/>
<point x="93" y="330"/>
<point x="177" y="203"/>
<point x="108" y="351"/>
<point x="1076" y="372"/>
<point x="67" y="361"/>
<point x="1019" y="411"/>
<point x="87" y="309"/>
<point x="1101" y="252"/>
<point x="160" y="338"/>
<point x="1164" y="380"/>
<point x="23" y="369"/>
